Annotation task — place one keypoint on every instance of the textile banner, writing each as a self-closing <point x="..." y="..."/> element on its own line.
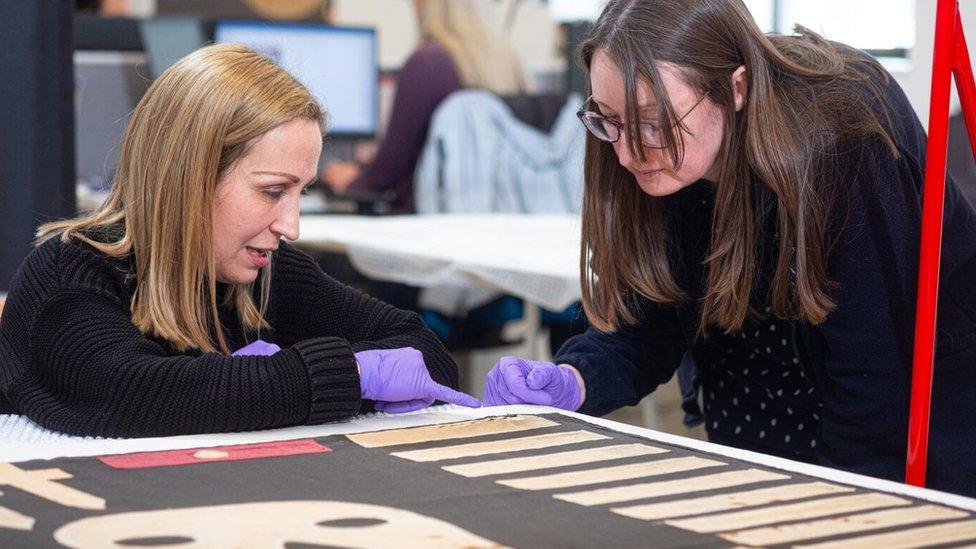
<point x="518" y="481"/>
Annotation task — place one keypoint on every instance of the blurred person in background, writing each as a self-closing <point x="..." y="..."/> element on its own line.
<point x="104" y="8"/>
<point x="458" y="49"/>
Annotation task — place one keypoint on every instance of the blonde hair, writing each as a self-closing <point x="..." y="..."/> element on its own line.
<point x="194" y="122"/>
<point x="481" y="58"/>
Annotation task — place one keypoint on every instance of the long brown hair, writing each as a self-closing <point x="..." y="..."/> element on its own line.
<point x="776" y="156"/>
<point x="194" y="122"/>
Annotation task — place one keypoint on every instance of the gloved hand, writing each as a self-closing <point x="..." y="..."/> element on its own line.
<point x="399" y="381"/>
<point x="257" y="348"/>
<point x="515" y="380"/>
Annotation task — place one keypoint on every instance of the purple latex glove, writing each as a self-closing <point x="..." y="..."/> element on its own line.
<point x="515" y="380"/>
<point x="257" y="348"/>
<point x="399" y="381"/>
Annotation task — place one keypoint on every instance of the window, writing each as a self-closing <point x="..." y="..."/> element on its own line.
<point x="884" y="28"/>
<point x="762" y="12"/>
<point x="575" y="10"/>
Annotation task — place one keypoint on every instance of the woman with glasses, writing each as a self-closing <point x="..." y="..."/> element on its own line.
<point x="755" y="200"/>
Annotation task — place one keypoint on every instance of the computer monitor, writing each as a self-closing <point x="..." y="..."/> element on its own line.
<point x="108" y="85"/>
<point x="576" y="77"/>
<point x="106" y="33"/>
<point x="337" y="64"/>
<point x="169" y="39"/>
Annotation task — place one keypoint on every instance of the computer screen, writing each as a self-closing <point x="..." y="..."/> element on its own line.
<point x="107" y="33"/>
<point x="337" y="64"/>
<point x="576" y="77"/>
<point x="169" y="39"/>
<point x="108" y="85"/>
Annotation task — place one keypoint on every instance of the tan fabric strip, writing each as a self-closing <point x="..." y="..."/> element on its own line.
<point x="926" y="536"/>
<point x="783" y="513"/>
<point x="42" y="483"/>
<point x="729" y="502"/>
<point x="668" y="487"/>
<point x="549" y="461"/>
<point x="800" y="531"/>
<point x="14" y="520"/>
<point x="499" y="446"/>
<point x="610" y="474"/>
<point x="447" y="431"/>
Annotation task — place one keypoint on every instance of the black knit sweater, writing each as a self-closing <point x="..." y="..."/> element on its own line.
<point x="72" y="360"/>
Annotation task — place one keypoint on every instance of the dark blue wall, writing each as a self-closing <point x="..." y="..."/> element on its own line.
<point x="37" y="180"/>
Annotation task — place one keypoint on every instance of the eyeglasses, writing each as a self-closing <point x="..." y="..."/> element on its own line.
<point x="609" y="130"/>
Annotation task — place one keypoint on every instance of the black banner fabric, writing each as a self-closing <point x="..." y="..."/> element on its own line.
<point x="545" y="481"/>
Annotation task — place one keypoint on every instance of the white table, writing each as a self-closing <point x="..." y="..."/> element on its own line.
<point x="23" y="440"/>
<point x="533" y="257"/>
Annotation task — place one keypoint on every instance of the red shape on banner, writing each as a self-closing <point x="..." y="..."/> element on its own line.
<point x="950" y="58"/>
<point x="240" y="452"/>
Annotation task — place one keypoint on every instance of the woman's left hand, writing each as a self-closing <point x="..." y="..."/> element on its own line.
<point x="515" y="380"/>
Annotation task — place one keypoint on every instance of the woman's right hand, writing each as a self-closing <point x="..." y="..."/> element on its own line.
<point x="339" y="175"/>
<point x="399" y="381"/>
<point x="515" y="380"/>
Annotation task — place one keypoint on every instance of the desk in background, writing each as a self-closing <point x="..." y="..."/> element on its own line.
<point x="533" y="257"/>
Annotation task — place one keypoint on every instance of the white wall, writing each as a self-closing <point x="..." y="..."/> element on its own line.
<point x="917" y="82"/>
<point x="533" y="37"/>
<point x="395" y="23"/>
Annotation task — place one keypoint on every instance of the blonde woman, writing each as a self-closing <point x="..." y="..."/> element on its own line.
<point x="121" y="323"/>
<point x="458" y="50"/>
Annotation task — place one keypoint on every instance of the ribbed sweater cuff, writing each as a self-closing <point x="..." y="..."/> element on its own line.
<point x="335" y="392"/>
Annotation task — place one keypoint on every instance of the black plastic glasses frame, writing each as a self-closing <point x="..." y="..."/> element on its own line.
<point x="590" y="118"/>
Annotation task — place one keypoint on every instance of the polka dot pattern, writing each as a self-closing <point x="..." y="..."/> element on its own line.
<point x="755" y="389"/>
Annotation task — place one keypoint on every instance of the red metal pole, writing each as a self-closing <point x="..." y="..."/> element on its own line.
<point x="962" y="70"/>
<point x="933" y="197"/>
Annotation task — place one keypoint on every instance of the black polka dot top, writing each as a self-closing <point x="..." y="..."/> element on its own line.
<point x="755" y="391"/>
